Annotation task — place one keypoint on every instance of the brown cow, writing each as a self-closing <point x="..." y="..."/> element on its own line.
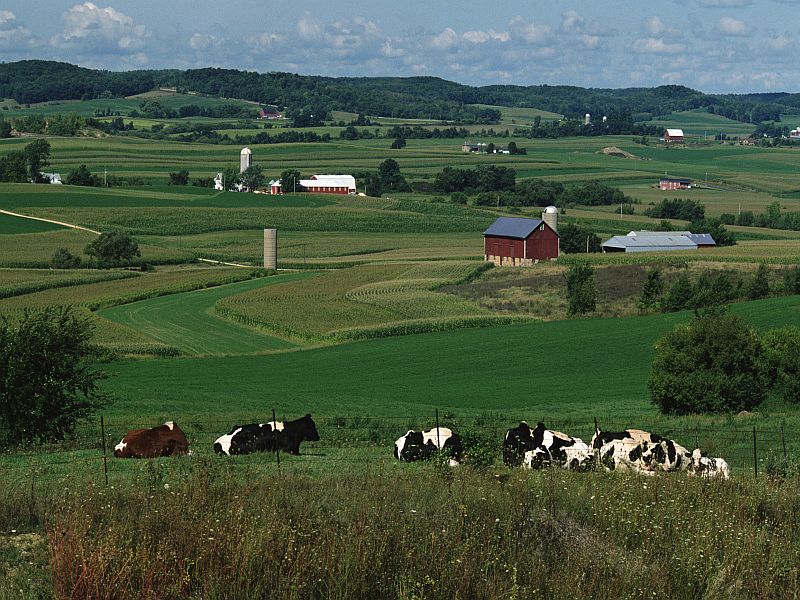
<point x="164" y="440"/>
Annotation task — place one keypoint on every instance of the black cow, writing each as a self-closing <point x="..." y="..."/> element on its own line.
<point x="541" y="447"/>
<point x="422" y="445"/>
<point x="267" y="437"/>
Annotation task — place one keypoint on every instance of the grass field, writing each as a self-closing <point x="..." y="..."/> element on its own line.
<point x="13" y="225"/>
<point x="186" y="320"/>
<point x="700" y="123"/>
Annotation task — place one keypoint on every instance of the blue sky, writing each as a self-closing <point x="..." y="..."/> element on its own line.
<point x="711" y="45"/>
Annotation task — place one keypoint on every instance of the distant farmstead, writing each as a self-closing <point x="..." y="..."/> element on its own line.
<point x="673" y="135"/>
<point x="794" y="134"/>
<point x="658" y="241"/>
<point x="519" y="242"/>
<point x="671" y="183"/>
<point x="330" y="184"/>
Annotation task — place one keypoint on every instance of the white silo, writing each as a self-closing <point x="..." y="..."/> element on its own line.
<point x="587" y="119"/>
<point x="550" y="216"/>
<point x="245" y="159"/>
<point x="271" y="249"/>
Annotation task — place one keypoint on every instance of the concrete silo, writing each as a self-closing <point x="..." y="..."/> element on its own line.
<point x="270" y="248"/>
<point x="245" y="159"/>
<point x="550" y="216"/>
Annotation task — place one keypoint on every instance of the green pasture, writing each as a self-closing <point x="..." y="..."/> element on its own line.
<point x="10" y="224"/>
<point x="700" y="123"/>
<point x="187" y="321"/>
<point x="521" y="116"/>
<point x="124" y="106"/>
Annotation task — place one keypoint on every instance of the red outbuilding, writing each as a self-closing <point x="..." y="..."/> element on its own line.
<point x="519" y="242"/>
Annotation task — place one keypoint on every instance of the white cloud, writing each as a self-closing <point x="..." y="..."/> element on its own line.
<point x="14" y="36"/>
<point x="656" y="46"/>
<point x="590" y="41"/>
<point x="654" y="25"/>
<point x="481" y="37"/>
<point x="781" y="42"/>
<point x="529" y="31"/>
<point x="571" y="20"/>
<point x="445" y="40"/>
<point x="731" y="26"/>
<point x="91" y="28"/>
<point x="266" y="39"/>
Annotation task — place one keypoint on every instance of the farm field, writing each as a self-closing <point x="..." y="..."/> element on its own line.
<point x="186" y="321"/>
<point x="10" y="224"/>
<point x="700" y="123"/>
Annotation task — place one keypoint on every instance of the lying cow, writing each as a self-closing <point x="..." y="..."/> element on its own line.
<point x="267" y="437"/>
<point x="540" y="447"/>
<point x="649" y="453"/>
<point x="423" y="445"/>
<point x="164" y="440"/>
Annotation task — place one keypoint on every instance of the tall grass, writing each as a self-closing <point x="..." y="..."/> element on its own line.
<point x="423" y="532"/>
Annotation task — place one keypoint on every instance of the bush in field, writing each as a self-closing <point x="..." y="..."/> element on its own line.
<point x="791" y="281"/>
<point x="179" y="178"/>
<point x="581" y="290"/>
<point x="574" y="238"/>
<point x="113" y="249"/>
<point x="712" y="364"/>
<point x="782" y="360"/>
<point x="47" y="383"/>
<point x="759" y="286"/>
<point x="64" y="259"/>
<point x="480" y="447"/>
<point x="82" y="176"/>
<point x="679" y="296"/>
<point x="652" y="291"/>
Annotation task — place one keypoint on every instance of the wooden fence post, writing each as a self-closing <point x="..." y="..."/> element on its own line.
<point x="755" y="453"/>
<point x="438" y="443"/>
<point x="103" y="437"/>
<point x="275" y="438"/>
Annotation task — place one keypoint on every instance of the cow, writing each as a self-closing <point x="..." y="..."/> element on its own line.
<point x="164" y="440"/>
<point x="267" y="437"/>
<point x="704" y="466"/>
<point x="423" y="445"/>
<point x="540" y="447"/>
<point x="649" y="453"/>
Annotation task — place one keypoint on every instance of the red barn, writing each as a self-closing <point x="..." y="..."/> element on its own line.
<point x="519" y="242"/>
<point x="330" y="184"/>
<point x="672" y="183"/>
<point x="673" y="135"/>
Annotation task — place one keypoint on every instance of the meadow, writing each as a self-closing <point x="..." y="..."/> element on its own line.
<point x="391" y="322"/>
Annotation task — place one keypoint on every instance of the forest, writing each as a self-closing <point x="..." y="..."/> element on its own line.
<point x="34" y="81"/>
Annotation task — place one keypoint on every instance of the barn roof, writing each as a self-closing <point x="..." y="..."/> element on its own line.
<point x="347" y="181"/>
<point x="675" y="132"/>
<point x="651" y="242"/>
<point x="678" y="179"/>
<point x="703" y="239"/>
<point x="513" y="227"/>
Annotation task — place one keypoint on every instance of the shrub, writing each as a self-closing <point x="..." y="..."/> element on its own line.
<point x="574" y="238"/>
<point x="679" y="296"/>
<point x="47" y="383"/>
<point x="179" y="178"/>
<point x="782" y="361"/>
<point x="480" y="447"/>
<point x="113" y="249"/>
<point x="64" y="259"/>
<point x="759" y="285"/>
<point x="712" y="364"/>
<point x="791" y="281"/>
<point x="581" y="290"/>
<point x="652" y="291"/>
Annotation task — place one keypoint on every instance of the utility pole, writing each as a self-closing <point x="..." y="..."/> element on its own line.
<point x="587" y="244"/>
<point x="105" y="177"/>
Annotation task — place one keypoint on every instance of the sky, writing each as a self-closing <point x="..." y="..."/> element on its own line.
<point x="716" y="46"/>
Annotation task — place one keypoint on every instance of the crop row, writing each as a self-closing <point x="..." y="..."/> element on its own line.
<point x="17" y="282"/>
<point x="378" y="298"/>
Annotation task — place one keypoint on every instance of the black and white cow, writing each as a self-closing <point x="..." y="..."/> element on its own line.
<point x="540" y="447"/>
<point x="649" y="453"/>
<point x="422" y="445"/>
<point x="267" y="437"/>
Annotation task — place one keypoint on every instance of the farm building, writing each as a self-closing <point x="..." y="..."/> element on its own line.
<point x="54" y="178"/>
<point x="658" y="241"/>
<point x="673" y="135"/>
<point x="674" y="183"/>
<point x="269" y="113"/>
<point x="275" y="187"/>
<point x="794" y="134"/>
<point x="469" y="147"/>
<point x="330" y="184"/>
<point x="520" y="242"/>
<point x="245" y="159"/>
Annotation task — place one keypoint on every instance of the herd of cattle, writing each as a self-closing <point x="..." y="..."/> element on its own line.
<point x="628" y="450"/>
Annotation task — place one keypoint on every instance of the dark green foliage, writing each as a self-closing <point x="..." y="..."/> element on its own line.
<point x="253" y="177"/>
<point x="113" y="249"/>
<point x="791" y="281"/>
<point x="680" y="295"/>
<point x="398" y="143"/>
<point x="5" y="129"/>
<point x="82" y="176"/>
<point x="480" y="179"/>
<point x="390" y="177"/>
<point x="179" y="178"/>
<point x="230" y="178"/>
<point x="712" y="364"/>
<point x="290" y="181"/>
<point x="64" y="259"/>
<point x="782" y="360"/>
<point x="573" y="239"/>
<point x="14" y="167"/>
<point x="758" y="287"/>
<point x="677" y="208"/>
<point x="652" y="291"/>
<point x="592" y="193"/>
<point x="480" y="447"/>
<point x="715" y="227"/>
<point x="37" y="154"/>
<point x="538" y="192"/>
<point x="47" y="383"/>
<point x="581" y="290"/>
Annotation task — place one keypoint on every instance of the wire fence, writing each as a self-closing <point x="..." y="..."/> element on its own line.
<point x="364" y="439"/>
